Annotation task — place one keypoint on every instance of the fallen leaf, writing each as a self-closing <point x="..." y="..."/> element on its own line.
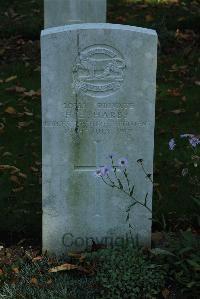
<point x="18" y="89"/>
<point x="9" y="167"/>
<point x="22" y="175"/>
<point x="184" y="99"/>
<point x="49" y="281"/>
<point x="37" y="258"/>
<point x="6" y="154"/>
<point x="64" y="267"/>
<point x="149" y="18"/>
<point x="157" y="237"/>
<point x="174" y="92"/>
<point x="32" y="93"/>
<point x="2" y="127"/>
<point x="28" y="113"/>
<point x="34" y="281"/>
<point x="79" y="256"/>
<point x="37" y="69"/>
<point x="165" y="293"/>
<point x="15" y="270"/>
<point x="10" y="79"/>
<point x="23" y="124"/>
<point x="17" y="189"/>
<point x="10" y="110"/>
<point x="178" y="111"/>
<point x="34" y="169"/>
<point x="15" y="179"/>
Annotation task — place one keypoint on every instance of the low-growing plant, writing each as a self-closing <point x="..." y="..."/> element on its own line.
<point x="189" y="145"/>
<point x="128" y="272"/>
<point x="182" y="258"/>
<point x="32" y="280"/>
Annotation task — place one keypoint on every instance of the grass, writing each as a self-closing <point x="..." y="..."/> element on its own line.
<point x="177" y="109"/>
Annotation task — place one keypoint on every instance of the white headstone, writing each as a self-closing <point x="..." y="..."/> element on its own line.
<point x="98" y="97"/>
<point x="63" y="12"/>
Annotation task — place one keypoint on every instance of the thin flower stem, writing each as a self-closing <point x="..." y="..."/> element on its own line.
<point x="138" y="202"/>
<point x="115" y="171"/>
<point x="106" y="182"/>
<point x="127" y="179"/>
<point x="110" y="179"/>
<point x="147" y="174"/>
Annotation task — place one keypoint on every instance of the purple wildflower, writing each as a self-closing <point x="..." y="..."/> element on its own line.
<point x="105" y="170"/>
<point x="98" y="173"/>
<point x="123" y="162"/>
<point x="194" y="141"/>
<point x="172" y="144"/>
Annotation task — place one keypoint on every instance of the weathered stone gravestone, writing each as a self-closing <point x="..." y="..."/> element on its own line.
<point x="63" y="12"/>
<point x="98" y="97"/>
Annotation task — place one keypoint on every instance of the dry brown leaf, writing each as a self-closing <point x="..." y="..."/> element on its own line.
<point x="10" y="110"/>
<point x="174" y="92"/>
<point x="49" y="281"/>
<point x="165" y="293"/>
<point x="37" y="258"/>
<point x="157" y="237"/>
<point x="32" y="93"/>
<point x="1" y="272"/>
<point x="178" y="111"/>
<point x="149" y="18"/>
<point x="34" y="281"/>
<point x="28" y="113"/>
<point x="6" y="154"/>
<point x="11" y="78"/>
<point x="184" y="98"/>
<point x="34" y="169"/>
<point x="18" y="89"/>
<point x="15" y="179"/>
<point x="79" y="256"/>
<point x="23" y="124"/>
<point x="64" y="267"/>
<point x="17" y="189"/>
<point x="22" y="175"/>
<point x="9" y="167"/>
<point x="15" y="270"/>
<point x="2" y="127"/>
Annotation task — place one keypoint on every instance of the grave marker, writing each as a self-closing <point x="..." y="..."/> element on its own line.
<point x="63" y="12"/>
<point x="98" y="97"/>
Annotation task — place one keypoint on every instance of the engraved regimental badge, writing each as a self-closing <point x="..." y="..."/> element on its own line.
<point x="98" y="71"/>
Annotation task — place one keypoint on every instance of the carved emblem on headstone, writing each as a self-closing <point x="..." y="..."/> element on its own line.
<point x="98" y="71"/>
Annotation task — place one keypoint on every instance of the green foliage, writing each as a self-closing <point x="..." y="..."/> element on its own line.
<point x="127" y="272"/>
<point x="183" y="262"/>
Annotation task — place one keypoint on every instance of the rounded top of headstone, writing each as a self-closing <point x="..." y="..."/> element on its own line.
<point x="104" y="26"/>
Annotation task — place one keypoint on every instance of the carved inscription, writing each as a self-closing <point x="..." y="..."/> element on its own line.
<point x="98" y="71"/>
<point x="103" y="119"/>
